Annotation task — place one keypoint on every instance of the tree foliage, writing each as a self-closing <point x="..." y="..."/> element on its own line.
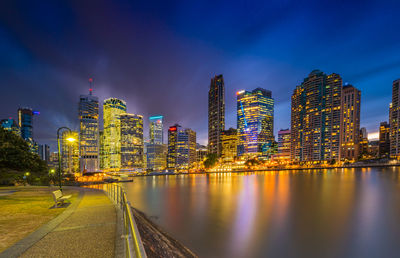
<point x="16" y="159"/>
<point x="211" y="160"/>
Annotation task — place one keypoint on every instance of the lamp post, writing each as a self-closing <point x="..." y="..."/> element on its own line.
<point x="70" y="139"/>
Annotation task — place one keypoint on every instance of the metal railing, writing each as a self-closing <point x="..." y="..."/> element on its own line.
<point x="134" y="245"/>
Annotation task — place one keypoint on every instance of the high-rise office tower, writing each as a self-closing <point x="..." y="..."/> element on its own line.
<point x="216" y="113"/>
<point x="156" y="130"/>
<point x="384" y="140"/>
<point x="350" y="123"/>
<point x="25" y="123"/>
<point x="255" y="122"/>
<point x="181" y="148"/>
<point x="315" y="118"/>
<point x="89" y="132"/>
<point x="11" y="125"/>
<point x="156" y="155"/>
<point x="70" y="152"/>
<point x="229" y="143"/>
<point x="395" y="121"/>
<point x="113" y="108"/>
<point x="284" y="144"/>
<point x="132" y="148"/>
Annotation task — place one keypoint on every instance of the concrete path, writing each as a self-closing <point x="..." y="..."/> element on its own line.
<point x="88" y="231"/>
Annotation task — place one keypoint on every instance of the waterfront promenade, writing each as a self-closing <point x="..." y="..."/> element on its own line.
<point x="87" y="228"/>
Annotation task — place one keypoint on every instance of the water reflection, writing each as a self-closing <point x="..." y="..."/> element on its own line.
<point x="330" y="213"/>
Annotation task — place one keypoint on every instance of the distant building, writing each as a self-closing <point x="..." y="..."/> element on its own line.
<point x="181" y="148"/>
<point x="44" y="152"/>
<point x="132" y="148"/>
<point x="315" y="118"/>
<point x="70" y="152"/>
<point x="25" y="123"/>
<point x="216" y="113"/>
<point x="255" y="122"/>
<point x="156" y="130"/>
<point x="395" y="121"/>
<point x="113" y="108"/>
<point x="11" y="125"/>
<point x="350" y="123"/>
<point x="284" y="144"/>
<point x="201" y="152"/>
<point x="384" y="140"/>
<point x="363" y="145"/>
<point x="229" y="142"/>
<point x="156" y="156"/>
<point x="89" y="132"/>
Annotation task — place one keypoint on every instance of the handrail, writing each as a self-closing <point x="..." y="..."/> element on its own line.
<point x="134" y="245"/>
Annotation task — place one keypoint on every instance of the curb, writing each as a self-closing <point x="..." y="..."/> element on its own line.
<point x="24" y="244"/>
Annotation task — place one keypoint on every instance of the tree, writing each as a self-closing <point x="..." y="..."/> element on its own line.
<point x="211" y="160"/>
<point x="16" y="160"/>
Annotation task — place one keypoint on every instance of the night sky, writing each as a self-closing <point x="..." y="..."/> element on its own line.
<point x="159" y="56"/>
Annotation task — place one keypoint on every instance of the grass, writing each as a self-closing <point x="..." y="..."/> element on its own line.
<point x="26" y="210"/>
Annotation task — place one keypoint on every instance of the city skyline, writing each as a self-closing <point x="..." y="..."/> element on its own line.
<point x="258" y="53"/>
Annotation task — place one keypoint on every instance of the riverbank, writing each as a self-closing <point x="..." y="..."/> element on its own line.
<point x="156" y="241"/>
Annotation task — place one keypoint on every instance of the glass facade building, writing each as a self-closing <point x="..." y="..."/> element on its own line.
<point x="89" y="133"/>
<point x="284" y="144"/>
<point x="229" y="143"/>
<point x="156" y="130"/>
<point x="113" y="108"/>
<point x="132" y="148"/>
<point x="216" y="114"/>
<point x="395" y="120"/>
<point x="181" y="148"/>
<point x="255" y="122"/>
<point x="11" y="125"/>
<point x="25" y="123"/>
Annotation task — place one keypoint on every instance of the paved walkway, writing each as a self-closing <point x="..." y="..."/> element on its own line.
<point x="89" y="230"/>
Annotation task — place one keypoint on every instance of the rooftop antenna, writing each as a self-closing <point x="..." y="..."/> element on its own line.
<point x="90" y="86"/>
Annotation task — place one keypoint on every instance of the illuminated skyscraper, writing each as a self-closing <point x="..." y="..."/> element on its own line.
<point x="132" y="148"/>
<point x="25" y="123"/>
<point x="181" y="148"/>
<point x="11" y="125"/>
<point x="101" y="149"/>
<point x="156" y="156"/>
<point x="113" y="108"/>
<point x="156" y="130"/>
<point x="44" y="152"/>
<point x="70" y="152"/>
<point x="395" y="121"/>
<point x="284" y="144"/>
<point x="229" y="143"/>
<point x="384" y="140"/>
<point x="255" y="122"/>
<point x="350" y="123"/>
<point x="315" y="118"/>
<point x="216" y="113"/>
<point x="89" y="132"/>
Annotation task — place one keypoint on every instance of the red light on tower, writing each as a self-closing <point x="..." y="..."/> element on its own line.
<point x="90" y="80"/>
<point x="172" y="128"/>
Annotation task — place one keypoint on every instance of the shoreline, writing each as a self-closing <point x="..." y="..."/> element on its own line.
<point x="156" y="241"/>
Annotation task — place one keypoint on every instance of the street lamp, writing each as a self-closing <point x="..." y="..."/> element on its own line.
<point x="70" y="139"/>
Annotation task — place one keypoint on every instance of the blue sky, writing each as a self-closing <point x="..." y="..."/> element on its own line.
<point x="159" y="56"/>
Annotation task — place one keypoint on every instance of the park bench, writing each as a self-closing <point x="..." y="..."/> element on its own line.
<point x="59" y="197"/>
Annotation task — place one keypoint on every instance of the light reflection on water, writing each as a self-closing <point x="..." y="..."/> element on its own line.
<point x="330" y="213"/>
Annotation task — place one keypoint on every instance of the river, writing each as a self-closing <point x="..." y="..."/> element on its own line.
<point x="316" y="213"/>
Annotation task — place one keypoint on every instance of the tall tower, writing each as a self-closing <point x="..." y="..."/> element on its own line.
<point x="395" y="120"/>
<point x="112" y="109"/>
<point x="132" y="147"/>
<point x="350" y="123"/>
<point x="89" y="131"/>
<point x="255" y="122"/>
<point x="216" y="114"/>
<point x="25" y="123"/>
<point x="156" y="130"/>
<point x="315" y="118"/>
<point x="181" y="148"/>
